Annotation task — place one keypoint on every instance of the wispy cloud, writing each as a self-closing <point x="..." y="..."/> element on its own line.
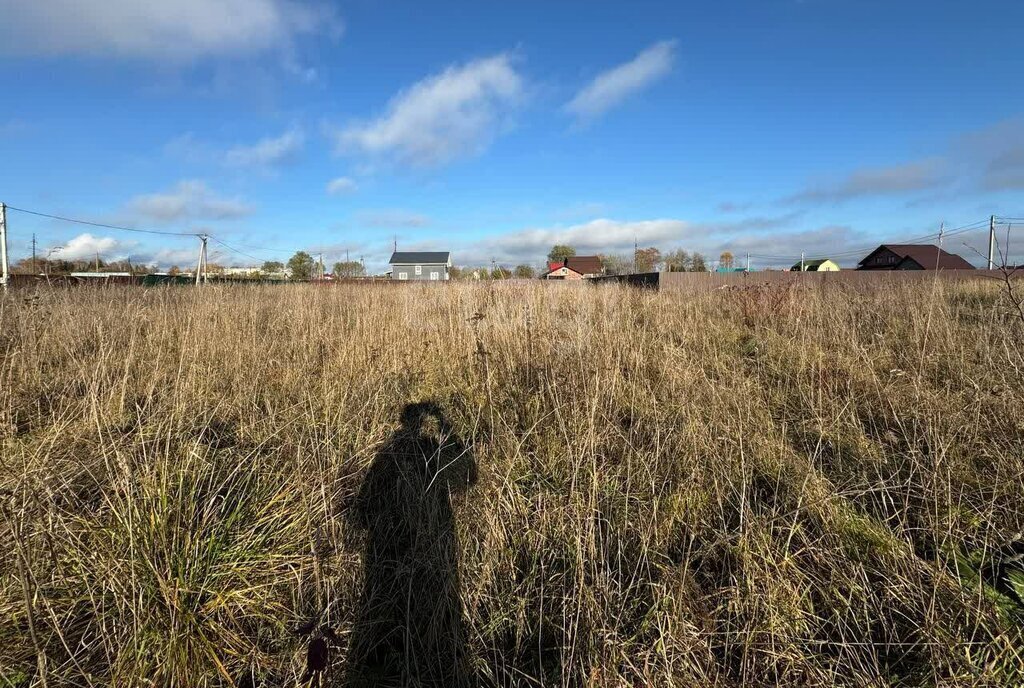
<point x="187" y="200"/>
<point x="446" y="116"/>
<point x="733" y="207"/>
<point x="391" y="219"/>
<point x="986" y="160"/>
<point x="182" y="30"/>
<point x="897" y="179"/>
<point x="997" y="153"/>
<point x="615" y="85"/>
<point x="340" y="186"/>
<point x="266" y="152"/>
<point x="14" y="128"/>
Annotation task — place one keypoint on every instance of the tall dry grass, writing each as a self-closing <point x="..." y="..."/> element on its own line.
<point x="795" y="488"/>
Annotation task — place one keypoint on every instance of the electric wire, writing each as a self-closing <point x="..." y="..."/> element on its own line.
<point x="101" y="224"/>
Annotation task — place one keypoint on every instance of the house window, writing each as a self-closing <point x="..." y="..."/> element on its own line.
<point x="419" y="270"/>
<point x="434" y="275"/>
<point x="403" y="275"/>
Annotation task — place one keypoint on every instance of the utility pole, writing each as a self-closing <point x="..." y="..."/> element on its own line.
<point x="801" y="261"/>
<point x="35" y="268"/>
<point x="5" y="269"/>
<point x="938" y="254"/>
<point x="201" y="265"/>
<point x="991" y="241"/>
<point x="748" y="261"/>
<point x="636" y="247"/>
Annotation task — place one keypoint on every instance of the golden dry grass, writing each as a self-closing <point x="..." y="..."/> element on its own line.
<point x="736" y="488"/>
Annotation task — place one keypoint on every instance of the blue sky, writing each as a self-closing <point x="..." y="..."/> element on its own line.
<point x="497" y="129"/>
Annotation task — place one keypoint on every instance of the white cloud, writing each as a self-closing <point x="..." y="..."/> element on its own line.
<point x="267" y="151"/>
<point x="341" y="185"/>
<point x="611" y="87"/>
<point x="187" y="200"/>
<point x="86" y="246"/>
<point x="445" y="116"/>
<point x="180" y="30"/>
<point x="758" y="235"/>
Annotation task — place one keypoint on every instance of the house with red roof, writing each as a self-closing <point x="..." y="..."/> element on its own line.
<point x="576" y="267"/>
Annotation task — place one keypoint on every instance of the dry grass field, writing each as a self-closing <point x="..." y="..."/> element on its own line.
<point x="511" y="485"/>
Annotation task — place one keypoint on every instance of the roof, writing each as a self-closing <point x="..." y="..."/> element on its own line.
<point x="585" y="265"/>
<point x="811" y="265"/>
<point x="928" y="256"/>
<point x="413" y="257"/>
<point x="554" y="266"/>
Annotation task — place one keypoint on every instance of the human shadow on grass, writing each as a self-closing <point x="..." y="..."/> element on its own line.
<point x="410" y="628"/>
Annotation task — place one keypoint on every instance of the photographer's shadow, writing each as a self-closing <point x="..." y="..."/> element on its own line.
<point x="410" y="628"/>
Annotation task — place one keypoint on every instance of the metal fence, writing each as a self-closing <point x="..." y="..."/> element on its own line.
<point x="710" y="281"/>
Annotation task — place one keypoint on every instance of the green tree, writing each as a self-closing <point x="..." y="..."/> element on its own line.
<point x="272" y="266"/>
<point x="524" y="272"/>
<point x="348" y="269"/>
<point x="560" y="252"/>
<point x="677" y="261"/>
<point x="647" y="259"/>
<point x="616" y="265"/>
<point x="698" y="263"/>
<point x="301" y="266"/>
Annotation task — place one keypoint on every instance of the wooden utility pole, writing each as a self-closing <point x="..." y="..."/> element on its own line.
<point x="991" y="241"/>
<point x="35" y="268"/>
<point x="5" y="270"/>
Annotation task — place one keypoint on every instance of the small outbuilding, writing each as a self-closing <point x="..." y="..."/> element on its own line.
<point x="912" y="257"/>
<point x="817" y="265"/>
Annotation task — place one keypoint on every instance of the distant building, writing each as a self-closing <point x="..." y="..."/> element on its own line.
<point x="241" y="272"/>
<point x="818" y="265"/>
<point x="576" y="267"/>
<point x="912" y="257"/>
<point x="420" y="265"/>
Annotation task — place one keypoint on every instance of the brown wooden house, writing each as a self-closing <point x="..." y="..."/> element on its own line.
<point x="912" y="257"/>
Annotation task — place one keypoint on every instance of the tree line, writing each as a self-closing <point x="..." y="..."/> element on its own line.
<point x="649" y="259"/>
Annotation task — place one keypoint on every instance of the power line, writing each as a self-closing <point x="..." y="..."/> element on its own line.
<point x="235" y="250"/>
<point x="100" y="224"/>
<point x="854" y="251"/>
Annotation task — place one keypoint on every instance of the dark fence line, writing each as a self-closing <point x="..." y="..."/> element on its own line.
<point x="68" y="281"/>
<point x="666" y="281"/>
<point x="710" y="281"/>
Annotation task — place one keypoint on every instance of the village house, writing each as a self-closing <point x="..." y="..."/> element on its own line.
<point x="573" y="268"/>
<point x="817" y="265"/>
<point x="912" y="257"/>
<point x="421" y="265"/>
